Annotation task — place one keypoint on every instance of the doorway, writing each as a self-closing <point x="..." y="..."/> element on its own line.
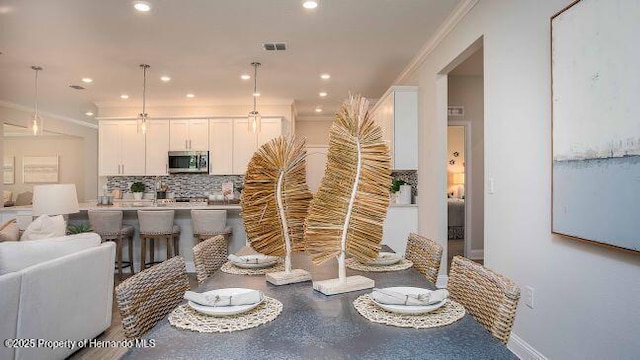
<point x="465" y="155"/>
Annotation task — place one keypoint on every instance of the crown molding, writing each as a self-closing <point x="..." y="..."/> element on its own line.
<point x="449" y="24"/>
<point x="14" y="106"/>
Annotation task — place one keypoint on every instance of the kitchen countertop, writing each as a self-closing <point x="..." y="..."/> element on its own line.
<point x="137" y="205"/>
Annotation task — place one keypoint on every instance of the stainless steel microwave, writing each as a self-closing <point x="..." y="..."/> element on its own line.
<point x="188" y="162"/>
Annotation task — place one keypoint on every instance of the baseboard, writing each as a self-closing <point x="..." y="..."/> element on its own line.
<point x="522" y="349"/>
<point x="442" y="281"/>
<point x="476" y="254"/>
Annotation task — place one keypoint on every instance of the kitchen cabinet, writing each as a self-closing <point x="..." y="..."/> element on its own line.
<point x="397" y="114"/>
<point x="157" y="145"/>
<point x="121" y="148"/>
<point x="189" y="135"/>
<point x="400" y="221"/>
<point x="220" y="146"/>
<point x="245" y="142"/>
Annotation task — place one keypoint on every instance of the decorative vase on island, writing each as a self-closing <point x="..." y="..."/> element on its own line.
<point x="137" y="195"/>
<point x="404" y="195"/>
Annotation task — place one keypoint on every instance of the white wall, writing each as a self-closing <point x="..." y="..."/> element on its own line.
<point x="70" y="159"/>
<point x="17" y="115"/>
<point x="468" y="92"/>
<point x="315" y="130"/>
<point x="586" y="297"/>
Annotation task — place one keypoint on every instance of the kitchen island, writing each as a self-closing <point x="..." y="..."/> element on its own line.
<point x="129" y="208"/>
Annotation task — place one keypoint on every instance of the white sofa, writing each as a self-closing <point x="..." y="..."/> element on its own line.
<point x="54" y="289"/>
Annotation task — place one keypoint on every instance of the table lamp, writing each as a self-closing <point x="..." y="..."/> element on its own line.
<point x="458" y="179"/>
<point x="55" y="199"/>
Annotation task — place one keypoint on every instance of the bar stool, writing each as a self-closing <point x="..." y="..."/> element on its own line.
<point x="209" y="223"/>
<point x="157" y="225"/>
<point x="108" y="224"/>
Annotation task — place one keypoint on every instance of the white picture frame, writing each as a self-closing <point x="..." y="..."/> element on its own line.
<point x="40" y="169"/>
<point x="9" y="172"/>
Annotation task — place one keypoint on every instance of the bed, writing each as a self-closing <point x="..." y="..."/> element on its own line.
<point x="455" y="212"/>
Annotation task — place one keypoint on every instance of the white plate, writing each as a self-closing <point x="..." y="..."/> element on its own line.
<point x="409" y="309"/>
<point x="224" y="310"/>
<point x="266" y="261"/>
<point x="385" y="258"/>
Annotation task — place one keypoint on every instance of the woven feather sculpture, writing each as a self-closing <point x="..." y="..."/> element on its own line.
<point x="349" y="208"/>
<point x="275" y="199"/>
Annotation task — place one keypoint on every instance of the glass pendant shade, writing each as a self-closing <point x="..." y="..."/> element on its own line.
<point x="36" y="123"/>
<point x="255" y="119"/>
<point x="142" y="117"/>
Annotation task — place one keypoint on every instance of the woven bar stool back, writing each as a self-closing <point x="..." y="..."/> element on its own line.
<point x="425" y="254"/>
<point x="209" y="256"/>
<point x="489" y="297"/>
<point x="147" y="297"/>
<point x="157" y="225"/>
<point x="108" y="224"/>
<point x="209" y="223"/>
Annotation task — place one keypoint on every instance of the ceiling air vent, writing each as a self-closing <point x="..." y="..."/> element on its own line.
<point x="76" y="87"/>
<point x="274" y="46"/>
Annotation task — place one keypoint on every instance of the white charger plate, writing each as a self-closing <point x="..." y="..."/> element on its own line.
<point x="224" y="310"/>
<point x="252" y="265"/>
<point x="385" y="258"/>
<point x="409" y="309"/>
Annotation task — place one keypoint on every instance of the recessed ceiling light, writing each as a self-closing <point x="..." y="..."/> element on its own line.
<point x="256" y="94"/>
<point x="124" y="96"/>
<point x="89" y="113"/>
<point x="325" y="76"/>
<point x="318" y="109"/>
<point x="310" y="4"/>
<point x="245" y="77"/>
<point x="165" y="78"/>
<point x="142" y="6"/>
<point x="190" y="96"/>
<point x="87" y="80"/>
<point x="322" y="94"/>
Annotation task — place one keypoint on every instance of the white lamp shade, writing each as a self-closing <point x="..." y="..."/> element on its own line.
<point x="55" y="199"/>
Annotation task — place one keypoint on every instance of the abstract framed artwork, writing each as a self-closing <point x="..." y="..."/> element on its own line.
<point x="596" y="127"/>
<point x="39" y="169"/>
<point x="8" y="170"/>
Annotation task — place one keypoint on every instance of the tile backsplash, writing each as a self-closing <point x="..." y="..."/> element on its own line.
<point x="409" y="176"/>
<point x="181" y="185"/>
<point x="196" y="185"/>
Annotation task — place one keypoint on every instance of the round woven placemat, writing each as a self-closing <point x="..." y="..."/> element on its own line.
<point x="447" y="314"/>
<point x="184" y="317"/>
<point x="354" y="264"/>
<point x="229" y="268"/>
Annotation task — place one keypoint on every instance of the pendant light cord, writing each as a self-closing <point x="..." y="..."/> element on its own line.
<point x="255" y="85"/>
<point x="144" y="91"/>
<point x="36" y="86"/>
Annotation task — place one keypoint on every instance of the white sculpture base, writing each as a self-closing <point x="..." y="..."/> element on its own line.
<point x="284" y="278"/>
<point x="335" y="286"/>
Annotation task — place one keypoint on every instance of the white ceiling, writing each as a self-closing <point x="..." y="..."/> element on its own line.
<point x="204" y="46"/>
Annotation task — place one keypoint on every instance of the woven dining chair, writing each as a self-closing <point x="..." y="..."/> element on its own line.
<point x="489" y="297"/>
<point x="209" y="256"/>
<point x="145" y="298"/>
<point x="425" y="254"/>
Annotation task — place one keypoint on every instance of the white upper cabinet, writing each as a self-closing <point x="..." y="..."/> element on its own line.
<point x="220" y="146"/>
<point x="397" y="114"/>
<point x="245" y="142"/>
<point x="189" y="135"/>
<point x="157" y="147"/>
<point x="121" y="148"/>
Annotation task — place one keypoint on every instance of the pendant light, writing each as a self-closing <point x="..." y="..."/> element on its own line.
<point x="36" y="121"/>
<point x="255" y="119"/>
<point x="142" y="117"/>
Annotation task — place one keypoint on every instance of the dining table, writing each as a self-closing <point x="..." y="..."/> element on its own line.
<point x="316" y="326"/>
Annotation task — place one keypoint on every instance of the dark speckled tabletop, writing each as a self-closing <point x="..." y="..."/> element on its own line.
<point x="316" y="326"/>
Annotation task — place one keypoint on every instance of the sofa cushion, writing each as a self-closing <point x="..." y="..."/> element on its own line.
<point x="10" y="231"/>
<point x="45" y="227"/>
<point x="15" y="256"/>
